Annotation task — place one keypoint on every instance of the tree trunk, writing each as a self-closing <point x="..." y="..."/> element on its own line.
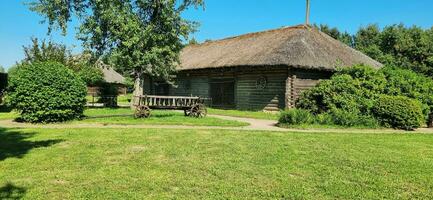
<point x="138" y="90"/>
<point x="430" y="120"/>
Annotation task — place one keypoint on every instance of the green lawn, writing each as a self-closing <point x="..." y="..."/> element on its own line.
<point x="95" y="112"/>
<point x="158" y="117"/>
<point x="206" y="164"/>
<point x="113" y="116"/>
<point x="247" y="114"/>
<point x="8" y="115"/>
<point x="123" y="99"/>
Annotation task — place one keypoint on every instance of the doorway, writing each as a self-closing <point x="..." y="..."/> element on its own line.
<point x="222" y="92"/>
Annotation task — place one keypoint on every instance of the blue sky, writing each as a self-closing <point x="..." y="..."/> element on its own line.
<point x="224" y="18"/>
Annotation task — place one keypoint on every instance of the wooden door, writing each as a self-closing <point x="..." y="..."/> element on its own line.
<point x="222" y="92"/>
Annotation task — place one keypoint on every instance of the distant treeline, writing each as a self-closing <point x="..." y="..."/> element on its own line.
<point x="396" y="45"/>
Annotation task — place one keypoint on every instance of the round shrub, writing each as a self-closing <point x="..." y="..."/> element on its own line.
<point x="296" y="117"/>
<point x="404" y="82"/>
<point x="46" y="92"/>
<point x="398" y="112"/>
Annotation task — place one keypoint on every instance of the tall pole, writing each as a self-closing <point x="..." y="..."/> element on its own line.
<point x="307" y="15"/>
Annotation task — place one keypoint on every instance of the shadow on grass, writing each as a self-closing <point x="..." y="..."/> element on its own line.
<point x="10" y="191"/>
<point x="14" y="143"/>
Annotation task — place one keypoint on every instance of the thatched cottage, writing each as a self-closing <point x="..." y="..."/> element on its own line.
<point x="259" y="71"/>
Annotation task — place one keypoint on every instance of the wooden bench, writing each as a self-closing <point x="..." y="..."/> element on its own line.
<point x="192" y="106"/>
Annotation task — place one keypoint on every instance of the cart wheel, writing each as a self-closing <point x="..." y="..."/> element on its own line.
<point x="198" y="111"/>
<point x="187" y="112"/>
<point x="142" y="112"/>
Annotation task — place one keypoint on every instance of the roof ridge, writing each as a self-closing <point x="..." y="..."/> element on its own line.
<point x="255" y="33"/>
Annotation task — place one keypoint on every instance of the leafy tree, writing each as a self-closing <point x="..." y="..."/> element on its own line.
<point x="394" y="45"/>
<point x="140" y="36"/>
<point x="193" y="41"/>
<point x="43" y="51"/>
<point x="2" y="69"/>
<point x="83" y="65"/>
<point x="345" y="37"/>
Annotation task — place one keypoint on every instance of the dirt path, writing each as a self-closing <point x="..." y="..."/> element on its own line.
<point x="255" y="125"/>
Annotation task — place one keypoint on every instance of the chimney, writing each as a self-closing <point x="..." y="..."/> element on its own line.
<point x="307" y="15"/>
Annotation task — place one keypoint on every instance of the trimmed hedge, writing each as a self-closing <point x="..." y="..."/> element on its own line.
<point x="398" y="112"/>
<point x="46" y="92"/>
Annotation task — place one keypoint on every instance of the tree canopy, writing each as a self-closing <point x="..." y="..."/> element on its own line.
<point x="395" y="45"/>
<point x="139" y="36"/>
<point x="83" y="65"/>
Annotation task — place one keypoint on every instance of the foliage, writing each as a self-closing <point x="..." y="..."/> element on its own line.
<point x="83" y="65"/>
<point x="395" y="45"/>
<point x="139" y="36"/>
<point x="46" y="92"/>
<point x="403" y="82"/>
<point x="334" y="117"/>
<point x="410" y="48"/>
<point x="351" y="93"/>
<point x="351" y="89"/>
<point x="129" y="83"/>
<point x="398" y="112"/>
<point x="351" y="119"/>
<point x="296" y="117"/>
<point x="2" y="70"/>
<point x="108" y="94"/>
<point x="193" y="41"/>
<point x="91" y="75"/>
<point x="345" y="37"/>
<point x="43" y="52"/>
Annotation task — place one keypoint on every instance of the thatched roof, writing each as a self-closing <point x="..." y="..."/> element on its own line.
<point x="111" y="76"/>
<point x="297" y="46"/>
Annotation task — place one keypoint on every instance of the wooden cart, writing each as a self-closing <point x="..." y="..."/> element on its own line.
<point x="192" y="106"/>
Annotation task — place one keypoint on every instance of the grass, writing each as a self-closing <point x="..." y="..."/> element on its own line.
<point x="326" y="126"/>
<point x="96" y="112"/>
<point x="113" y="116"/>
<point x="8" y="115"/>
<point x="121" y="99"/>
<point x="247" y="114"/>
<point x="124" y="99"/>
<point x="157" y="117"/>
<point x="213" y="164"/>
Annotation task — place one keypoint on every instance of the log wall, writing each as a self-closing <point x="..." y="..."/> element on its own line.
<point x="283" y="85"/>
<point x="300" y="80"/>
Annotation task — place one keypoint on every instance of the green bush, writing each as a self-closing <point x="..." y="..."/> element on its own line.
<point x="398" y="112"/>
<point x="403" y="82"/>
<point x="46" y="92"/>
<point x="353" y="92"/>
<point x="352" y="89"/>
<point x="296" y="117"/>
<point x="108" y="93"/>
<point x="351" y="119"/>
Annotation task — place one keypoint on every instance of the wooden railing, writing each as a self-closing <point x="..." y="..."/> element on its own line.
<point x="168" y="102"/>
